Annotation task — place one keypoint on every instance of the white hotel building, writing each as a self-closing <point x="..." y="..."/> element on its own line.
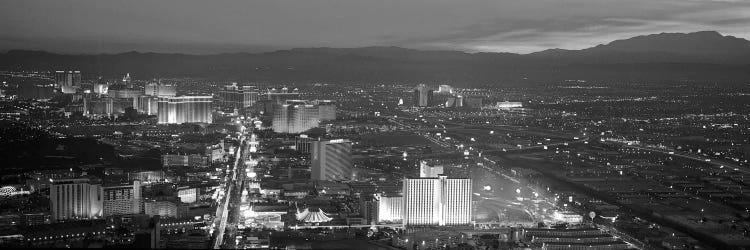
<point x="75" y="199"/>
<point x="440" y="201"/>
<point x="390" y="209"/>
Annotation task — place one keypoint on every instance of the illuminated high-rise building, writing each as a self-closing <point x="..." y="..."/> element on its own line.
<point x="331" y="160"/>
<point x="185" y="109"/>
<point x="122" y="199"/>
<point x="295" y="117"/>
<point x="148" y="105"/>
<point x="72" y="199"/>
<point x="68" y="81"/>
<point x="422" y="96"/>
<point x="390" y="209"/>
<point x="440" y="201"/>
<point x="238" y="96"/>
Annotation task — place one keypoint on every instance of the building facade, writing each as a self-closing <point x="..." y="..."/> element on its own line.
<point x="331" y="160"/>
<point x="295" y="117"/>
<point x="238" y="96"/>
<point x="122" y="199"/>
<point x="436" y="201"/>
<point x="73" y="199"/>
<point x="185" y="109"/>
<point x="390" y="209"/>
<point x="165" y="208"/>
<point x="302" y="143"/>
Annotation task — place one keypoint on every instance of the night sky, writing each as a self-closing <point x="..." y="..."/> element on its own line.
<point x="200" y="27"/>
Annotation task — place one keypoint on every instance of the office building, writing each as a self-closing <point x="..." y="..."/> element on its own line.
<point x="390" y="209"/>
<point x="429" y="171"/>
<point x="122" y="199"/>
<point x="422" y="96"/>
<point x="185" y="109"/>
<point x="331" y="160"/>
<point x="295" y="117"/>
<point x="238" y="96"/>
<point x="72" y="199"/>
<point x="438" y="201"/>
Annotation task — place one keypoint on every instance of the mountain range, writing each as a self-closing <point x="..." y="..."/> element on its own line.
<point x="666" y="57"/>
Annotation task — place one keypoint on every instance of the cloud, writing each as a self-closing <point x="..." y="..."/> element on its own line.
<point x="472" y="25"/>
<point x="583" y="31"/>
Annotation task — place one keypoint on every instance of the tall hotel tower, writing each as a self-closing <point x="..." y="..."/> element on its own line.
<point x="440" y="201"/>
<point x="296" y="116"/>
<point x="238" y="96"/>
<point x="422" y="96"/>
<point x="72" y="199"/>
<point x="185" y="109"/>
<point x="331" y="160"/>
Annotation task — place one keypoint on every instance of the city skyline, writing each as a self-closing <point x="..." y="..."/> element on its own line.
<point x="375" y="124"/>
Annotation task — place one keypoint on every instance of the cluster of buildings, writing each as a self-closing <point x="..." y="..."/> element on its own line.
<point x="446" y="96"/>
<point x="152" y="98"/>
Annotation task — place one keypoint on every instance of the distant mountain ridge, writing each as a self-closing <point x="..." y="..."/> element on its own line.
<point x="705" y="55"/>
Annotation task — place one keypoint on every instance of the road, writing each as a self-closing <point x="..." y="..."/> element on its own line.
<point x="719" y="164"/>
<point x="222" y="211"/>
